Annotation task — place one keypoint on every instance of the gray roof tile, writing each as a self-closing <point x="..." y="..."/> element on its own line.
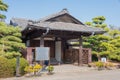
<point x="64" y="11"/>
<point x="68" y="27"/>
<point x="21" y="22"/>
<point x="43" y="23"/>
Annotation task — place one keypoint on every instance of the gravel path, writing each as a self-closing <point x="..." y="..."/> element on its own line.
<point x="70" y="72"/>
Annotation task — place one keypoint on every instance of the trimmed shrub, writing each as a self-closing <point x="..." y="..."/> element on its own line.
<point x="108" y="65"/>
<point x="50" y="68"/>
<point x="6" y="69"/>
<point x="99" y="64"/>
<point x="23" y="64"/>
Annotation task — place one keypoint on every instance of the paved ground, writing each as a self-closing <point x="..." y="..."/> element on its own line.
<point x="70" y="72"/>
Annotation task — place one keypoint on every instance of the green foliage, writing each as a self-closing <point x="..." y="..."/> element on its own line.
<point x="23" y="64"/>
<point x="94" y="57"/>
<point x="98" y="20"/>
<point x="114" y="33"/>
<point x="88" y="23"/>
<point x="99" y="64"/>
<point x="2" y="16"/>
<point x="116" y="42"/>
<point x="115" y="55"/>
<point x="6" y="68"/>
<point x="11" y="55"/>
<point x="34" y="68"/>
<point x="104" y="45"/>
<point x="107" y="46"/>
<point x="50" y="68"/>
<point x="3" y="7"/>
<point x="108" y="65"/>
<point x="29" y="69"/>
<point x="98" y="43"/>
<point x="10" y="40"/>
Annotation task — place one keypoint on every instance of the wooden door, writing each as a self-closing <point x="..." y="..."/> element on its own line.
<point x="51" y="45"/>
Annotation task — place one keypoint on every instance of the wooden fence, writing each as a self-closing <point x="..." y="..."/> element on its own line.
<point x="72" y="55"/>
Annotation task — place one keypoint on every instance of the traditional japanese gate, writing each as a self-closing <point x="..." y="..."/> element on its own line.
<point x="58" y="28"/>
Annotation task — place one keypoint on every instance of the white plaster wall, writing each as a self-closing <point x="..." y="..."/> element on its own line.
<point x="58" y="51"/>
<point x="28" y="43"/>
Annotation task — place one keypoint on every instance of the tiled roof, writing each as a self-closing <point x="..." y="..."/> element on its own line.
<point x="43" y="23"/>
<point x="64" y="11"/>
<point x="68" y="27"/>
<point x="21" y="22"/>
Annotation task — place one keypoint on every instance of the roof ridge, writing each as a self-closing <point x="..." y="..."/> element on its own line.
<point x="19" y="18"/>
<point x="63" y="11"/>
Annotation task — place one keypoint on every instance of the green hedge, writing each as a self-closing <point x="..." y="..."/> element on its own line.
<point x="8" y="66"/>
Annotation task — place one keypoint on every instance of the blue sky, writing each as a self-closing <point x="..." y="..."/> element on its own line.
<point x="84" y="10"/>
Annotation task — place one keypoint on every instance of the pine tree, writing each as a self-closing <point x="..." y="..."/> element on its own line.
<point x="10" y="41"/>
<point x="3" y="7"/>
<point x="107" y="44"/>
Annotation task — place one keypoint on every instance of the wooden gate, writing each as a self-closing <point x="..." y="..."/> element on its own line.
<point x="71" y="55"/>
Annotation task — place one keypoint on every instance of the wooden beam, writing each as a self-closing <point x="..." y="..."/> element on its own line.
<point x="80" y="52"/>
<point x="90" y="56"/>
<point x="53" y="34"/>
<point x="56" y="33"/>
<point x="36" y="34"/>
<point x="41" y="42"/>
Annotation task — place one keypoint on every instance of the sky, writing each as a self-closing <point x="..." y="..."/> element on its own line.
<point x="83" y="10"/>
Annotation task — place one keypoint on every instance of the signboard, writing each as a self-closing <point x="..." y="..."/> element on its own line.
<point x="103" y="59"/>
<point x="42" y="53"/>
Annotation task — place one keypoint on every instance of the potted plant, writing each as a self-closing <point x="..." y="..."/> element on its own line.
<point x="50" y="69"/>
